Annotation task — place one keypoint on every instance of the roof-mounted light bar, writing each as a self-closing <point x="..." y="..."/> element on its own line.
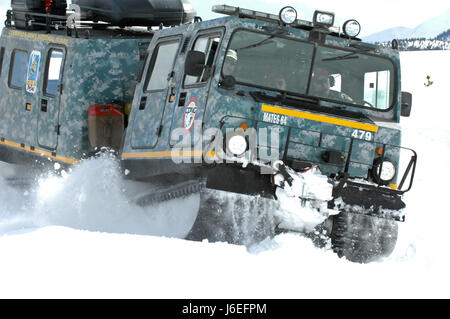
<point x="322" y="20"/>
<point x="288" y="14"/>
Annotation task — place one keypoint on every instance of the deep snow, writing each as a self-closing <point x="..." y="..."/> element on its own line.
<point x="75" y="236"/>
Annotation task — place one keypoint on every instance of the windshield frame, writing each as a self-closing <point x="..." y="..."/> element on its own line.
<point x="290" y="36"/>
<point x="271" y="35"/>
<point x="368" y="53"/>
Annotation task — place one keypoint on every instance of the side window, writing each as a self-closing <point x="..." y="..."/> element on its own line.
<point x="18" y="69"/>
<point x="53" y="72"/>
<point x="376" y="89"/>
<point x="2" y="54"/>
<point x="161" y="66"/>
<point x="207" y="44"/>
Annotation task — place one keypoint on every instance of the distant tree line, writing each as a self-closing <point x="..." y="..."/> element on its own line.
<point x="440" y="42"/>
<point x="444" y="36"/>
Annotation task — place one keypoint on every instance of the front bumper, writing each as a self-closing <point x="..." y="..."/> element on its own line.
<point x="368" y="199"/>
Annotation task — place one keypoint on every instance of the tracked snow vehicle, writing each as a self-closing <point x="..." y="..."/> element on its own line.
<point x="273" y="122"/>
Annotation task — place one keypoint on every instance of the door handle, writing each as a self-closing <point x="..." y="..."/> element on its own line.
<point x="44" y="105"/>
<point x="182" y="99"/>
<point x="143" y="103"/>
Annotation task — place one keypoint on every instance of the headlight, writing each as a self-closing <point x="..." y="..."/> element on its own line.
<point x="383" y="174"/>
<point x="236" y="144"/>
<point x="351" y="28"/>
<point x="288" y="15"/>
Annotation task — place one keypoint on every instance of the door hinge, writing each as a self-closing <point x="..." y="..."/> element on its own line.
<point x="58" y="129"/>
<point x="159" y="130"/>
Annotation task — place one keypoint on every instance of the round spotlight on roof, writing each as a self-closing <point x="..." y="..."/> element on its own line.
<point x="351" y="28"/>
<point x="288" y="15"/>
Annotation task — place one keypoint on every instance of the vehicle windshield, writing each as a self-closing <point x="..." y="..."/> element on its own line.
<point x="282" y="64"/>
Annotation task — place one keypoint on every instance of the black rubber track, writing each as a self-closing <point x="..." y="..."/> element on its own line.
<point x="363" y="238"/>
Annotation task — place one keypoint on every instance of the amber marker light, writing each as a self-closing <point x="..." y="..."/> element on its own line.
<point x="379" y="151"/>
<point x="244" y="126"/>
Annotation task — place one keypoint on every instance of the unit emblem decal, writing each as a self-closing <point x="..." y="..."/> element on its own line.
<point x="190" y="113"/>
<point x="33" y="71"/>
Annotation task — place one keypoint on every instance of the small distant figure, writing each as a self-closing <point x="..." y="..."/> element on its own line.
<point x="429" y="82"/>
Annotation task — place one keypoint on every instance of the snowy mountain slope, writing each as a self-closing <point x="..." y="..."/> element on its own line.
<point x="389" y="34"/>
<point x="75" y="237"/>
<point x="432" y="27"/>
<point x="429" y="29"/>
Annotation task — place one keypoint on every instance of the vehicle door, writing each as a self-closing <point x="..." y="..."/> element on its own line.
<point x="192" y="99"/>
<point x="50" y="98"/>
<point x="15" y="96"/>
<point x="158" y="82"/>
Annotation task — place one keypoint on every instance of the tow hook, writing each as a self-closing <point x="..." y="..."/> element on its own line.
<point x="309" y="184"/>
<point x="303" y="197"/>
<point x="283" y="171"/>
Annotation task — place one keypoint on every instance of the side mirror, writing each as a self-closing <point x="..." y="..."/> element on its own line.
<point x="228" y="82"/>
<point x="195" y="63"/>
<point x="406" y="104"/>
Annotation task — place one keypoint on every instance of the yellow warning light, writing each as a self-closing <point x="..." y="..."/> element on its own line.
<point x="244" y="126"/>
<point x="379" y="150"/>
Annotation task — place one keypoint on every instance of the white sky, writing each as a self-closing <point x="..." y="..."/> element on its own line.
<point x="374" y="16"/>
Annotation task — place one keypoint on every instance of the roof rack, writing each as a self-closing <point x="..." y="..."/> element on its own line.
<point x="28" y="20"/>
<point x="258" y="15"/>
<point x="33" y="21"/>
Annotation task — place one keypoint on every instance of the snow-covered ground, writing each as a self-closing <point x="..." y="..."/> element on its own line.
<point x="75" y="236"/>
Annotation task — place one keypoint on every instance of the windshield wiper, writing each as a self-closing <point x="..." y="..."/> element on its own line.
<point x="275" y="30"/>
<point x="351" y="55"/>
<point x="307" y="103"/>
<point x="263" y="42"/>
<point x="283" y="97"/>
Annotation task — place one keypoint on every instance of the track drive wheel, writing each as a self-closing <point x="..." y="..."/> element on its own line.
<point x="363" y="238"/>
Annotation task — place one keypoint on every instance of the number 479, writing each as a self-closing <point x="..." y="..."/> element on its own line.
<point x="362" y="135"/>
